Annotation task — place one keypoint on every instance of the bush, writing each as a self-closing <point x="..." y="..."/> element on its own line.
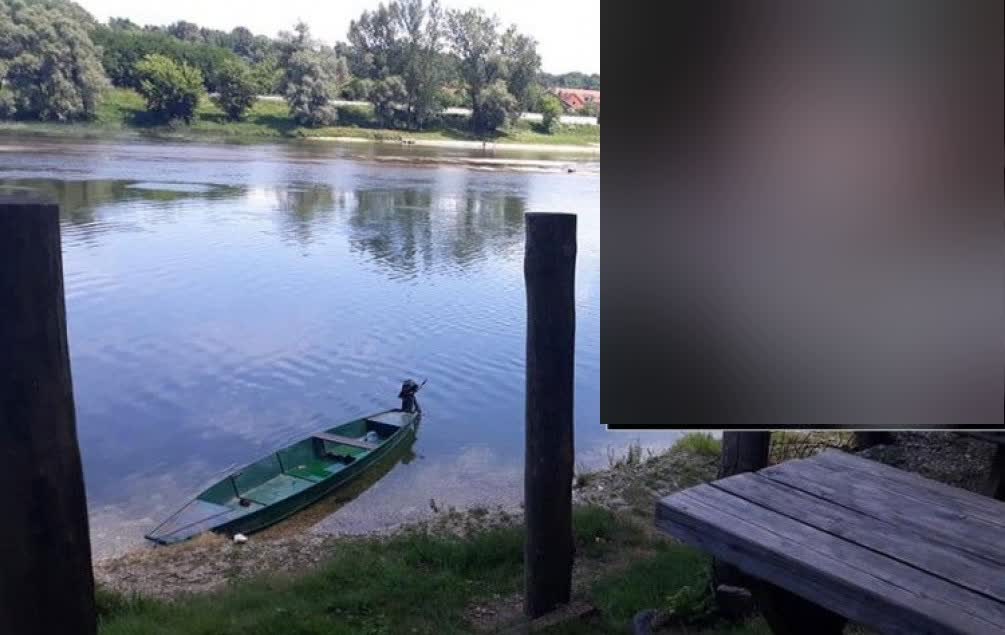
<point x="49" y="67"/>
<point x="551" y="111"/>
<point x="171" y="90"/>
<point x="387" y="96"/>
<point x="238" y="90"/>
<point x="495" y="107"/>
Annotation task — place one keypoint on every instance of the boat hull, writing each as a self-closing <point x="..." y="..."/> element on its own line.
<point x="268" y="516"/>
<point x="278" y="486"/>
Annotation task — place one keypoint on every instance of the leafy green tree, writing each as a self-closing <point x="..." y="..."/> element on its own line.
<point x="506" y="62"/>
<point x="388" y="97"/>
<point x="402" y="39"/>
<point x="123" y="48"/>
<point x="522" y="66"/>
<point x="172" y="90"/>
<point x="183" y="30"/>
<point x="237" y="90"/>
<point x="496" y="106"/>
<point x="267" y="75"/>
<point x="474" y="37"/>
<point x="313" y="77"/>
<point x="49" y="66"/>
<point x="551" y="112"/>
<point x="570" y="80"/>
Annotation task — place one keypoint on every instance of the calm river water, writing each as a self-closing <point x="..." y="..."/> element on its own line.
<point x="223" y="300"/>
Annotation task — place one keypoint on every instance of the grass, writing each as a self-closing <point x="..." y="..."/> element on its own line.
<point x="123" y="112"/>
<point x="416" y="582"/>
<point x="700" y="443"/>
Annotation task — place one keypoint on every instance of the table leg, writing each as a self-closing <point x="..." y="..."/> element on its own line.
<point x="789" y="614"/>
<point x="996" y="481"/>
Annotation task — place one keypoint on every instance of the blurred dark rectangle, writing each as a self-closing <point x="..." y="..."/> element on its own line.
<point x="803" y="215"/>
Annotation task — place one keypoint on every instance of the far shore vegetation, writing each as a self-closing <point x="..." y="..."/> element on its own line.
<point x="122" y="112"/>
<point x="410" y="61"/>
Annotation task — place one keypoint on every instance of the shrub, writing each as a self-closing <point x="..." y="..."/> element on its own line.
<point x="49" y="67"/>
<point x="387" y="97"/>
<point x="237" y="90"/>
<point x="314" y="75"/>
<point x="496" y="106"/>
<point x="551" y="111"/>
<point x="171" y="90"/>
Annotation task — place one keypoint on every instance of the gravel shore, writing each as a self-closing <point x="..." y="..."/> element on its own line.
<point x="628" y="486"/>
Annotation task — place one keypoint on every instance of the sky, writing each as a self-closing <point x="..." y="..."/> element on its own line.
<point x="567" y="31"/>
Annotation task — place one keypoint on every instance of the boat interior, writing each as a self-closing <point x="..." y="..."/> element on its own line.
<point x="282" y="474"/>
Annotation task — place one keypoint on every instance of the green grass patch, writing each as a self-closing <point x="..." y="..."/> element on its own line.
<point x="700" y="443"/>
<point x="414" y="582"/>
<point x="123" y="111"/>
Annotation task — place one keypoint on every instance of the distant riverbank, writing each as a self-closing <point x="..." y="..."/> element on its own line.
<point x="122" y="114"/>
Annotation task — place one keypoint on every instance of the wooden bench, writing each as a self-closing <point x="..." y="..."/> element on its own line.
<point x="995" y="485"/>
<point x="836" y="537"/>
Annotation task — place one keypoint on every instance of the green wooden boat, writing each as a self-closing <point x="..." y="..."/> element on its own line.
<point x="283" y="483"/>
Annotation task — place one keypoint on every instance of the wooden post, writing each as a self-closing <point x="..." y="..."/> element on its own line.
<point x="549" y="272"/>
<point x="868" y="438"/>
<point x="744" y="452"/>
<point x="741" y="452"/>
<point x="46" y="580"/>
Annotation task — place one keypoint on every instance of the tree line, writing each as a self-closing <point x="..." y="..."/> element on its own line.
<point x="410" y="59"/>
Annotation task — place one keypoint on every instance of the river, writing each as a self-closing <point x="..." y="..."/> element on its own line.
<point x="223" y="300"/>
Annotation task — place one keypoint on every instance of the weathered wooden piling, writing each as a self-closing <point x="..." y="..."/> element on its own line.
<point x="744" y="452"/>
<point x="741" y="452"/>
<point x="868" y="438"/>
<point x="549" y="273"/>
<point x="46" y="581"/>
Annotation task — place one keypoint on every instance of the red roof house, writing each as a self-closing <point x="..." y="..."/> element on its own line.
<point x="574" y="99"/>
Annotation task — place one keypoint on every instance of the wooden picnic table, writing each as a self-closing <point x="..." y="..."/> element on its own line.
<point x="836" y="537"/>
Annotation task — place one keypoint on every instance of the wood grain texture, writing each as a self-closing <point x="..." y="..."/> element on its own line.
<point x="908" y="545"/>
<point x="549" y="274"/>
<point x="46" y="580"/>
<point x="858" y="583"/>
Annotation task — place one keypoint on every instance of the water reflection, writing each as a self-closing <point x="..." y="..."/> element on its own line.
<point x="223" y="302"/>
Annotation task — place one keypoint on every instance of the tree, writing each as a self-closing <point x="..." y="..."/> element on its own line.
<point x="238" y="90"/>
<point x="187" y="31"/>
<point x="313" y="76"/>
<point x="267" y="75"/>
<point x="551" y="111"/>
<point x="474" y="37"/>
<point x="388" y="96"/>
<point x="497" y="106"/>
<point x="49" y="66"/>
<point x="402" y="39"/>
<point x="505" y="63"/>
<point x="171" y="90"/>
<point x="522" y="65"/>
<point x="123" y="48"/>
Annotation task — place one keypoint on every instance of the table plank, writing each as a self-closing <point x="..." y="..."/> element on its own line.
<point x="856" y="582"/>
<point x="901" y="481"/>
<point x="872" y="498"/>
<point x="908" y="545"/>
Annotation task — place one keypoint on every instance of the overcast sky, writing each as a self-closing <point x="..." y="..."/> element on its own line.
<point x="568" y="32"/>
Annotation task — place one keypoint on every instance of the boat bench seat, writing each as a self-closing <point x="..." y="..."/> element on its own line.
<point x="276" y="489"/>
<point x="337" y="438"/>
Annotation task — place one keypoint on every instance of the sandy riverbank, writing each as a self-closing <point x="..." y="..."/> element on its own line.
<point x="593" y="148"/>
